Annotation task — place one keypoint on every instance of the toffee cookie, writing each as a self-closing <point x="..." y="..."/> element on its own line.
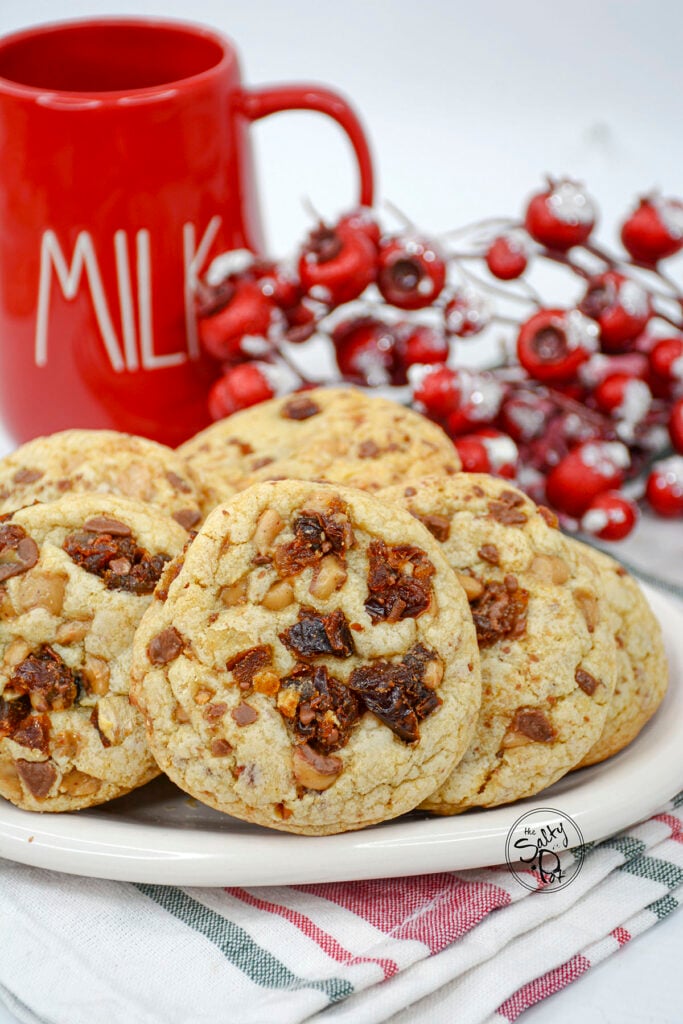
<point x="340" y="435"/>
<point x="75" y="578"/>
<point x="642" y="670"/>
<point x="314" y="667"/>
<point x="103" y="461"/>
<point x="548" y="657"/>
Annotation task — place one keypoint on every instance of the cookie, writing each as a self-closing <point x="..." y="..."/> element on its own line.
<point x="314" y="667"/>
<point x="548" y="657"/>
<point x="103" y="461"/>
<point x="339" y="435"/>
<point x="76" y="576"/>
<point x="642" y="669"/>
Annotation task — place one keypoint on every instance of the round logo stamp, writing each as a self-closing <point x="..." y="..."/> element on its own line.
<point x="548" y="843"/>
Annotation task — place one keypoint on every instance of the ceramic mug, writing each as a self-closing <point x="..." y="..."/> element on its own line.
<point x="126" y="167"/>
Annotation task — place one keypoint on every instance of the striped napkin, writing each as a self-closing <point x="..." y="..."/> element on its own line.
<point x="84" y="951"/>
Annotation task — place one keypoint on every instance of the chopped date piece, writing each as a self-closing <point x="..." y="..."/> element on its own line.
<point x="316" y="634"/>
<point x="533" y="724"/>
<point x="505" y="509"/>
<point x="500" y="611"/>
<point x="38" y="776"/>
<point x="178" y="483"/>
<point x="326" y="711"/>
<point x="115" y="557"/>
<point x="165" y="646"/>
<point x="489" y="553"/>
<point x="313" y="770"/>
<point x="18" y="551"/>
<point x="300" y="408"/>
<point x="245" y="665"/>
<point x="586" y="681"/>
<point x="12" y="714"/>
<point x="399" y="582"/>
<point x="50" y="684"/>
<point x="316" y="534"/>
<point x="187" y="517"/>
<point x="244" y="714"/>
<point x="368" y="449"/>
<point x="95" y="720"/>
<point x="439" y="526"/>
<point x="396" y="693"/>
<point x="34" y="733"/>
<point x="27" y="476"/>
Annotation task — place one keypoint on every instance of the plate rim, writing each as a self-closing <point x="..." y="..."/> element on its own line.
<point x="86" y="844"/>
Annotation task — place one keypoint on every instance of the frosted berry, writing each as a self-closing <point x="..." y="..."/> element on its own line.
<point x="588" y="470"/>
<point x="364" y="220"/>
<point x="364" y="350"/>
<point x="506" y="256"/>
<point x="435" y="390"/>
<point x="623" y="397"/>
<point x="676" y="425"/>
<point x="655" y="230"/>
<point x="561" y="216"/>
<point x="620" y="306"/>
<point x="600" y="366"/>
<point x="664" y="489"/>
<point x="467" y="313"/>
<point x="553" y="343"/>
<point x="488" y="451"/>
<point x="248" y="384"/>
<point x="524" y="414"/>
<point x="666" y="365"/>
<point x="412" y="272"/>
<point x="418" y="343"/>
<point x="336" y="265"/>
<point x="238" y="328"/>
<point x="478" y="403"/>
<point x="277" y="284"/>
<point x="610" y="516"/>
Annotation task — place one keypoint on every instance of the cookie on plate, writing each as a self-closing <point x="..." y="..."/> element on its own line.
<point x="339" y="435"/>
<point x="314" y="667"/>
<point x="548" y="657"/>
<point x="101" y="461"/>
<point x="75" y="578"/>
<point x="642" y="669"/>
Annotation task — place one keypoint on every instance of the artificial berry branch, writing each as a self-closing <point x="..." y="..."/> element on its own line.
<point x="579" y="404"/>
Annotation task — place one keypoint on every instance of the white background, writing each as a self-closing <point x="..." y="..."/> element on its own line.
<point x="467" y="106"/>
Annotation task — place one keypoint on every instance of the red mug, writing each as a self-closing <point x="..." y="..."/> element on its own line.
<point x="126" y="167"/>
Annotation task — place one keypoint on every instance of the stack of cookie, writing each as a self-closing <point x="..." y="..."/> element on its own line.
<point x="356" y="630"/>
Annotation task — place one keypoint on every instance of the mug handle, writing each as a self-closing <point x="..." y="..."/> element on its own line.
<point x="258" y="103"/>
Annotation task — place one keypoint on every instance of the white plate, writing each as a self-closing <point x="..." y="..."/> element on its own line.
<point x="160" y="835"/>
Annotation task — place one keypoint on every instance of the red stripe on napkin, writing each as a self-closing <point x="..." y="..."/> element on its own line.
<point x="540" y="988"/>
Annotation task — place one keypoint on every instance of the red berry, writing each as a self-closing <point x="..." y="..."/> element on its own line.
<point x="437" y="390"/>
<point x="418" y="343"/>
<point x="277" y="284"/>
<point x="553" y="343"/>
<point x="478" y="403"/>
<point x="467" y="313"/>
<point x="623" y="397"/>
<point x="412" y="272"/>
<point x="599" y="366"/>
<point x="610" y="516"/>
<point x="506" y="257"/>
<point x="336" y="265"/>
<point x="561" y="216"/>
<point x="248" y="384"/>
<point x="664" y="490"/>
<point x="676" y="425"/>
<point x="588" y="470"/>
<point x="364" y="349"/>
<point x="620" y="306"/>
<point x="666" y="363"/>
<point x="655" y="230"/>
<point x="524" y="414"/>
<point x="239" y="328"/>
<point x="362" y="219"/>
<point x="488" y="451"/>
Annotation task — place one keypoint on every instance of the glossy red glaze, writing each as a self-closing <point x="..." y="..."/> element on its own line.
<point x="126" y="167"/>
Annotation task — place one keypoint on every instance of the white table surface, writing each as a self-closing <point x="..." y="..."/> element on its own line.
<point x="468" y="105"/>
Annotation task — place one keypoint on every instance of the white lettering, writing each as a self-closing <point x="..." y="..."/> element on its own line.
<point x="150" y="361"/>
<point x="84" y="258"/>
<point x="130" y="344"/>
<point x="194" y="258"/>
